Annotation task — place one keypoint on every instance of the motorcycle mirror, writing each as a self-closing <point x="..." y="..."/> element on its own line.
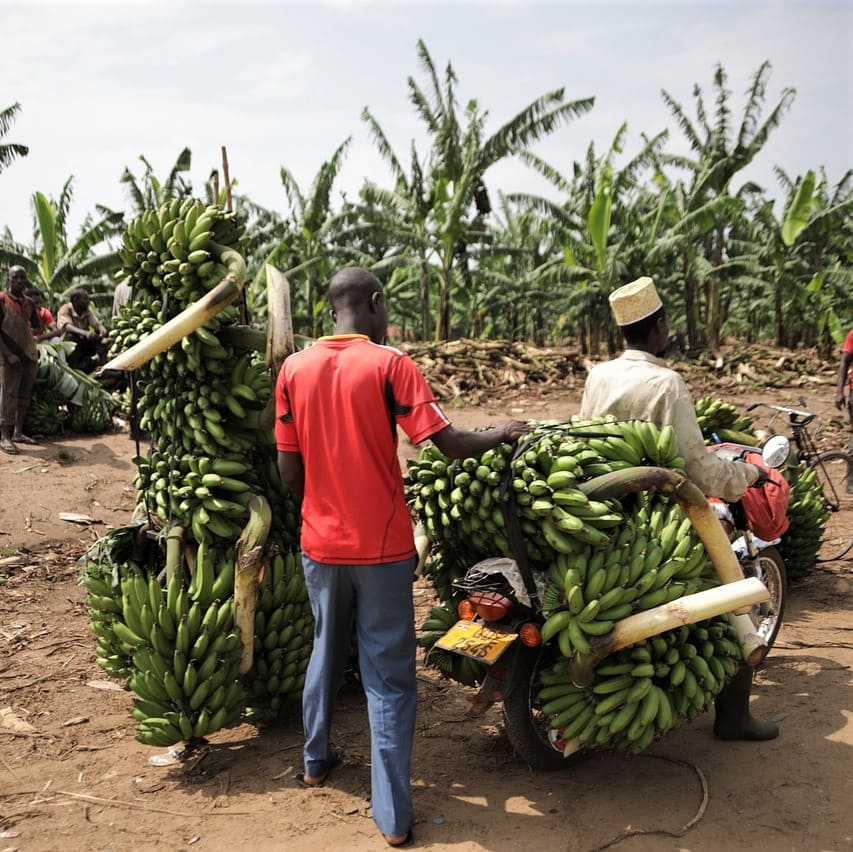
<point x="776" y="451"/>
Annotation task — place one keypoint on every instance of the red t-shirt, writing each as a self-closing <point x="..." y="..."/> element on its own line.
<point x="848" y="347"/>
<point x="338" y="404"/>
<point x="45" y="319"/>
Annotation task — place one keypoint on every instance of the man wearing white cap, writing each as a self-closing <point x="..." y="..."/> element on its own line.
<point x="639" y="385"/>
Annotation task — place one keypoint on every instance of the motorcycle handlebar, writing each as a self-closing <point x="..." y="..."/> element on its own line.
<point x="800" y="418"/>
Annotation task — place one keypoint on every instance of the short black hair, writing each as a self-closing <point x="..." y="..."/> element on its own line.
<point x="638" y="332"/>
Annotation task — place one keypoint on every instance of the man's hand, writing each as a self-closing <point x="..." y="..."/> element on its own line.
<point x="513" y="429"/>
<point x="839" y="400"/>
<point x="763" y="476"/>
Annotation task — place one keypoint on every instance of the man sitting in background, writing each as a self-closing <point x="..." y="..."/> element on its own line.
<point x="47" y="324"/>
<point x="78" y="323"/>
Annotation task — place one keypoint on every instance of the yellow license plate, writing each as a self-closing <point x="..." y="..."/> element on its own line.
<point x="475" y="640"/>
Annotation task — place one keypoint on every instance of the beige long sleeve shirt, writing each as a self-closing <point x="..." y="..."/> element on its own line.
<point x="636" y="385"/>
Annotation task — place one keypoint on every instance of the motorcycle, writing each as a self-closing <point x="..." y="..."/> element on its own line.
<point x="501" y="619"/>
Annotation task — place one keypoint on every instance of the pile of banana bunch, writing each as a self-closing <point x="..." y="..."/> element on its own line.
<point x="205" y="402"/>
<point x="46" y="414"/>
<point x="93" y="415"/>
<point x="807" y="512"/>
<point x="641" y="692"/>
<point x="466" y="504"/>
<point x="722" y="419"/>
<point x="65" y="399"/>
<point x="174" y="644"/>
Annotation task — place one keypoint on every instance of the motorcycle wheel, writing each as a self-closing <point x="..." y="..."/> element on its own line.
<point x="525" y="725"/>
<point x="771" y="571"/>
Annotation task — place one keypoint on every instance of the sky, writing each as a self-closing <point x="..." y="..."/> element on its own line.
<point x="283" y="84"/>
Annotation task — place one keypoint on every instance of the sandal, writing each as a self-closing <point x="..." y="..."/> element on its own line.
<point x="10" y="448"/>
<point x="320" y="780"/>
<point x="24" y="439"/>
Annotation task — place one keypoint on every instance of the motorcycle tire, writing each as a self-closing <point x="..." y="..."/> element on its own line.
<point x="525" y="725"/>
<point x="768" y="615"/>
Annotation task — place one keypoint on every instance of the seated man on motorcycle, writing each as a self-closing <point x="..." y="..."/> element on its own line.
<point x="639" y="385"/>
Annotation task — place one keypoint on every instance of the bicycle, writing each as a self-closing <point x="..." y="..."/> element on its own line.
<point x="834" y="468"/>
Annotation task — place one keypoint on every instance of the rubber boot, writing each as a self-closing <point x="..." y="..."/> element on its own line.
<point x="733" y="720"/>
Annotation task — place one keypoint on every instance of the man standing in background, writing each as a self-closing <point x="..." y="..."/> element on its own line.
<point x="19" y="323"/>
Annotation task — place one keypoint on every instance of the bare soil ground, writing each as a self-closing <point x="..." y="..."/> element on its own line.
<point x="72" y="776"/>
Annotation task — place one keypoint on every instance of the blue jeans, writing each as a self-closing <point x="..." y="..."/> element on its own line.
<point x="380" y="597"/>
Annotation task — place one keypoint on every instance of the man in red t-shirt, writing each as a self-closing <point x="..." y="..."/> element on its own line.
<point x="338" y="405"/>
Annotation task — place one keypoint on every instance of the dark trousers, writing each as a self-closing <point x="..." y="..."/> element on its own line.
<point x="87" y="354"/>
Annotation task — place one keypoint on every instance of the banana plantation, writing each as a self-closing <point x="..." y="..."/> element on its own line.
<point x="461" y="258"/>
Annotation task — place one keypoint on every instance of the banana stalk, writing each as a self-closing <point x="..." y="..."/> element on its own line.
<point x="249" y="560"/>
<point x="280" y="341"/>
<point x="687" y="610"/>
<point x="174" y="545"/>
<point x="197" y="314"/>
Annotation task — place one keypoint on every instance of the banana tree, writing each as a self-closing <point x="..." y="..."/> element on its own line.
<point x="10" y="151"/>
<point x="718" y="159"/>
<point x="600" y="230"/>
<point x="806" y="256"/>
<point x="306" y="251"/>
<point x="453" y="178"/>
<point x="147" y="192"/>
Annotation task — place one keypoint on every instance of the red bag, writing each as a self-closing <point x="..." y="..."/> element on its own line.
<point x="766" y="507"/>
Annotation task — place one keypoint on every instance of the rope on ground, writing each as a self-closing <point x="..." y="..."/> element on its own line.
<point x="703" y="806"/>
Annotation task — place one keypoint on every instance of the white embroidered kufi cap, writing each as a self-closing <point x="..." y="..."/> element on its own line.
<point x="635" y="301"/>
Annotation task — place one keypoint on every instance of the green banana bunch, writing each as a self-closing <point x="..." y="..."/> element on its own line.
<point x="284" y="632"/>
<point x="644" y="690"/>
<point x="807" y="514"/>
<point x="722" y="418"/>
<point x="46" y="414"/>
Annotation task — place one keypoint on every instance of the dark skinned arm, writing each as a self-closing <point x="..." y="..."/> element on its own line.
<point x="292" y="472"/>
<point x="843" y="370"/>
<point x="462" y="443"/>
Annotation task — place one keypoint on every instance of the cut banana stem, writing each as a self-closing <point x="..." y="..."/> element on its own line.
<point x="280" y="342"/>
<point x="754" y="646"/>
<point x="197" y="314"/>
<point x="687" y="610"/>
<point x="174" y="549"/>
<point x="249" y="559"/>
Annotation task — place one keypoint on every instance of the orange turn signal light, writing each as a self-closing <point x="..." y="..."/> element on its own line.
<point x="465" y="610"/>
<point x="530" y="634"/>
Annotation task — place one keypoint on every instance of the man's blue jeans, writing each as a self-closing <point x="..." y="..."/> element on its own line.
<point x="380" y="599"/>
